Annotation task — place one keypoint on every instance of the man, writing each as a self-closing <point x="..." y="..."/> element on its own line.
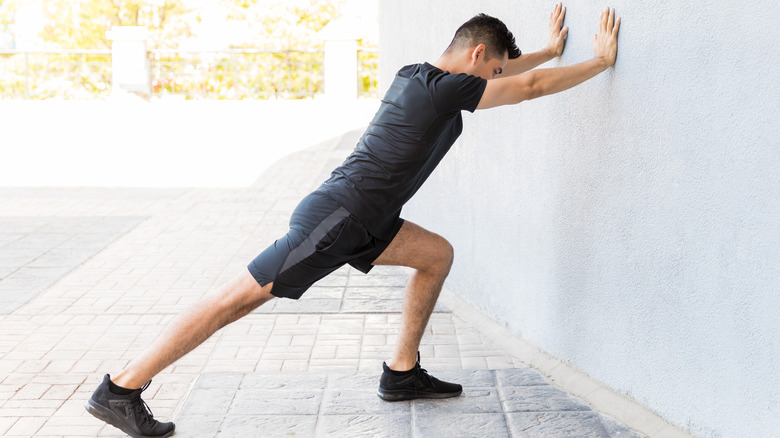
<point x="354" y="216"/>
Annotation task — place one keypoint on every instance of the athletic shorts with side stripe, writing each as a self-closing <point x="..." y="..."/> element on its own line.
<point x="323" y="237"/>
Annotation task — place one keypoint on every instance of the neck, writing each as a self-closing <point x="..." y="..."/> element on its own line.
<point x="448" y="63"/>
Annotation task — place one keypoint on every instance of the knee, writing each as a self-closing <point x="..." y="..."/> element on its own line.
<point x="251" y="297"/>
<point x="445" y="255"/>
<point x="239" y="297"/>
<point x="450" y="254"/>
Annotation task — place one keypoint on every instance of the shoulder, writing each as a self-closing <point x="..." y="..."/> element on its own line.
<point x="458" y="82"/>
<point x="446" y="91"/>
<point x="455" y="92"/>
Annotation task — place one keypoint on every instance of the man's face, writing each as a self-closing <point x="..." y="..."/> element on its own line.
<point x="490" y="68"/>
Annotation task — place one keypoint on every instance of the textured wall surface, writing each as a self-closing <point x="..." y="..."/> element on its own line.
<point x="629" y="226"/>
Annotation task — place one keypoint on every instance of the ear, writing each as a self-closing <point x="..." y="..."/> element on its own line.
<point x="477" y="54"/>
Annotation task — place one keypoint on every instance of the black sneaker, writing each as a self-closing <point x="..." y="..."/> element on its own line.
<point x="128" y="413"/>
<point x="412" y="384"/>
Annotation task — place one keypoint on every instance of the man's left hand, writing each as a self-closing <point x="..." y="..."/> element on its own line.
<point x="556" y="37"/>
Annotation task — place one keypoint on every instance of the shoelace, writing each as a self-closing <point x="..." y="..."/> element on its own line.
<point x="419" y="375"/>
<point x="142" y="409"/>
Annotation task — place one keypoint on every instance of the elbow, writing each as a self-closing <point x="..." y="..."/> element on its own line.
<point x="535" y="86"/>
<point x="530" y="87"/>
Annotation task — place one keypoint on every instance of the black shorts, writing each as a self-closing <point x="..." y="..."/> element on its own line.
<point x="323" y="237"/>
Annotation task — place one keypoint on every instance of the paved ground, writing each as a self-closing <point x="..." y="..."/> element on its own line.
<point x="89" y="277"/>
<point x="35" y="252"/>
<point x="496" y="403"/>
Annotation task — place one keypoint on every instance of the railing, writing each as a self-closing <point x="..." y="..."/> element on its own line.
<point x="224" y="74"/>
<point x="237" y="74"/>
<point x="70" y="74"/>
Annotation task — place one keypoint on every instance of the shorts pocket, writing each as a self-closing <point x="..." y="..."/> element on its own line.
<point x="345" y="239"/>
<point x="332" y="237"/>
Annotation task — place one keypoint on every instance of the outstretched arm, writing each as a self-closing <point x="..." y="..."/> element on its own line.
<point x="556" y="37"/>
<point x="537" y="83"/>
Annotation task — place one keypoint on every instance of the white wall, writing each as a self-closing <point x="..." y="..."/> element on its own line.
<point x="628" y="226"/>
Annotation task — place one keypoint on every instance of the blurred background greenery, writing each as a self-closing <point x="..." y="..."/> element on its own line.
<point x="198" y="49"/>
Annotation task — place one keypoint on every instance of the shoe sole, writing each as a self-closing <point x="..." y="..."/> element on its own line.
<point x="111" y="418"/>
<point x="398" y="395"/>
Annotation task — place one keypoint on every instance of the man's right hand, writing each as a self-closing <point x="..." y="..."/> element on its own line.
<point x="556" y="33"/>
<point x="541" y="82"/>
<point x="605" y="41"/>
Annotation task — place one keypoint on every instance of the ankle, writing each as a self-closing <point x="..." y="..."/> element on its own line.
<point x="118" y="390"/>
<point x="401" y="366"/>
<point x="126" y="381"/>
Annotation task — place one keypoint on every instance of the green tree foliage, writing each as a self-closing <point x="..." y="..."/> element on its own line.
<point x="282" y="24"/>
<point x="7" y="9"/>
<point x="288" y="28"/>
<point x="82" y="24"/>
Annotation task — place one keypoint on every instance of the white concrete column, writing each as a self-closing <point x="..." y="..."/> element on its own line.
<point x="129" y="61"/>
<point x="341" y="73"/>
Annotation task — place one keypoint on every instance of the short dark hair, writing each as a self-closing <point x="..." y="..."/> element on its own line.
<point x="487" y="30"/>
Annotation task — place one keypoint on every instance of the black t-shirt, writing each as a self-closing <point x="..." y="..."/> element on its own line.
<point x="417" y="122"/>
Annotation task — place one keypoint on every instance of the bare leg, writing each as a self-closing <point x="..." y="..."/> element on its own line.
<point x="191" y="328"/>
<point x="431" y="256"/>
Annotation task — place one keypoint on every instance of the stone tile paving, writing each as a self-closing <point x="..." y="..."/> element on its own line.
<point x="96" y="318"/>
<point x="35" y="252"/>
<point x="496" y="403"/>
<point x="332" y="297"/>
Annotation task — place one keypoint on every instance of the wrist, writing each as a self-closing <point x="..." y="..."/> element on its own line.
<point x="549" y="53"/>
<point x="602" y="62"/>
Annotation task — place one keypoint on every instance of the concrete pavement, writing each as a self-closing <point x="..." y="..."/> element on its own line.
<point x="89" y="277"/>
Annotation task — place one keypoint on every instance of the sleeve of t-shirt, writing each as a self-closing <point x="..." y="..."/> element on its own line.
<point x="457" y="92"/>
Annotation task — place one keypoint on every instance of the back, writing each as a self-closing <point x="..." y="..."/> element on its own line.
<point x="416" y="124"/>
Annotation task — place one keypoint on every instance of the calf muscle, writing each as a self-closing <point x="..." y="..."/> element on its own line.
<point x="194" y="326"/>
